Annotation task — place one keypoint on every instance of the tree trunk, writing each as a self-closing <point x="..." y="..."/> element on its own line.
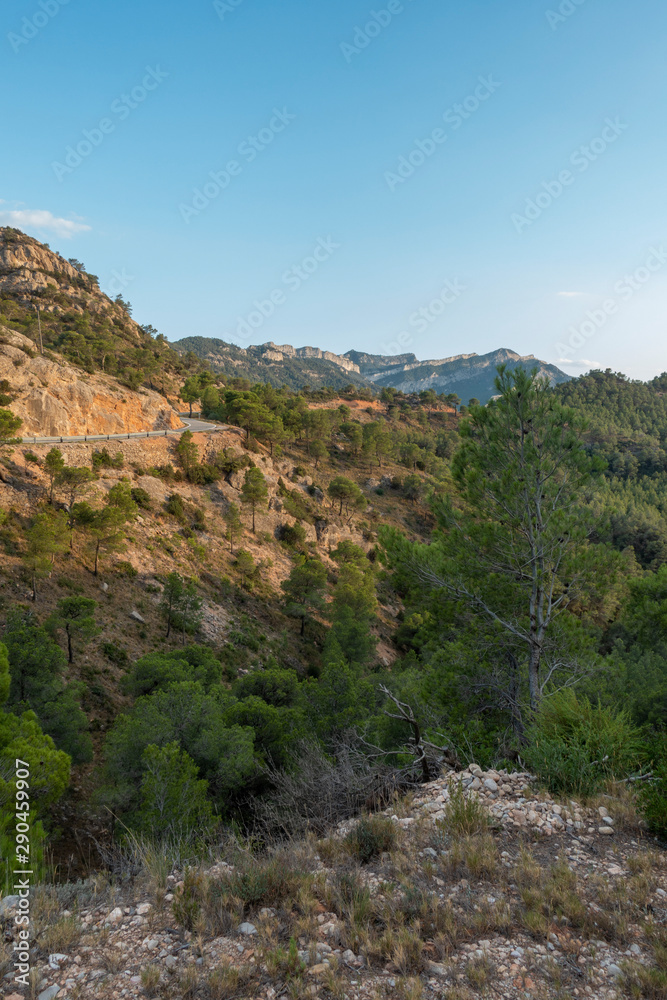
<point x="303" y="624"/>
<point x="69" y="645"/>
<point x="168" y="623"/>
<point x="534" y="673"/>
<point x="514" y="694"/>
<point x="97" y="557"/>
<point x="34" y="587"/>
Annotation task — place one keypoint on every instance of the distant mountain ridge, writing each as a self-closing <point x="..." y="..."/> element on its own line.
<point x="469" y="375"/>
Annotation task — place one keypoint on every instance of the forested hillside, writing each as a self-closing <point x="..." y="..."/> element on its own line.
<point x="266" y="630"/>
<point x="359" y="545"/>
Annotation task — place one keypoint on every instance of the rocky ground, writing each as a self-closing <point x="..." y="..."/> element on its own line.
<point x="487" y="888"/>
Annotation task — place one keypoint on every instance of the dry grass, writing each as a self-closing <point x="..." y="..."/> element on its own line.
<point x="188" y="982"/>
<point x="60" y="936"/>
<point x="150" y="980"/>
<point x="475" y="855"/>
<point x="458" y="993"/>
<point x="620" y="800"/>
<point x="228" y="982"/>
<point x="478" y="972"/>
<point x="527" y="872"/>
<point x="464" y="816"/>
<point x="113" y="960"/>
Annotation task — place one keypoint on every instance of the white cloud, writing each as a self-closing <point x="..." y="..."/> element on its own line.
<point x="42" y="221"/>
<point x="583" y="363"/>
<point x="571" y="295"/>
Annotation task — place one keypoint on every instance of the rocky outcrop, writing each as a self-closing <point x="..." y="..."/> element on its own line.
<point x="53" y="397"/>
<point x="33" y="274"/>
<point x="276" y="352"/>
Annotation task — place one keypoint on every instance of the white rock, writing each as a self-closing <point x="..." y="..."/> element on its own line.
<point x="605" y="829"/>
<point x="49" y="993"/>
<point x="116" y="916"/>
<point x="490" y="785"/>
<point x="144" y="908"/>
<point x="56" y="961"/>
<point x="7" y="904"/>
<point x="247" y="928"/>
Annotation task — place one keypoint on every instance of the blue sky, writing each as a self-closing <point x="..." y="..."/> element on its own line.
<point x="540" y="200"/>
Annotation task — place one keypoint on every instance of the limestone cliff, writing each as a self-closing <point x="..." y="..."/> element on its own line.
<point x="53" y="397"/>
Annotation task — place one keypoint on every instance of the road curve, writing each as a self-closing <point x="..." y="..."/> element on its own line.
<point x="191" y="424"/>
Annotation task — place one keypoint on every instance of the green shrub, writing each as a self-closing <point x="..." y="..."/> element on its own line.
<point x="292" y="534"/>
<point x="653" y="793"/>
<point x="265" y="881"/>
<point x="371" y="837"/>
<point x="575" y="747"/>
<point x="103" y="460"/>
<point x="188" y="899"/>
<point x="142" y="498"/>
<point x="175" y="507"/>
<point x="115" y="653"/>
<point x="124" y="568"/>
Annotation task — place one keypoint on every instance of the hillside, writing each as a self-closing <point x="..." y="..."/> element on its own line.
<point x="80" y="322"/>
<point x="276" y="365"/>
<point x="467" y="375"/>
<point x="292" y="729"/>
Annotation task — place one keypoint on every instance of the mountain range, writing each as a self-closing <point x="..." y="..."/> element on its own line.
<point x="468" y="375"/>
<point x="58" y="305"/>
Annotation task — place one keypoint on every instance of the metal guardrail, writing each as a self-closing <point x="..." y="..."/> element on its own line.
<point x="133" y="435"/>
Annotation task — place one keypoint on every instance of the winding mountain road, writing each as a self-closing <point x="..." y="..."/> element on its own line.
<point x="191" y="424"/>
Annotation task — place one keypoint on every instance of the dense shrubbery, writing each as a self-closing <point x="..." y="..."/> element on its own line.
<point x="574" y="747"/>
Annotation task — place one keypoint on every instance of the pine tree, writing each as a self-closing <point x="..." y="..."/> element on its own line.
<point x="305" y="589"/>
<point x="45" y="538"/>
<point x="54" y="463"/>
<point x="74" y="616"/>
<point x="254" y="492"/>
<point x="234" y="525"/>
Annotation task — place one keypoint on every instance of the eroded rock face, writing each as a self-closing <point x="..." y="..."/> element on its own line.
<point x="54" y="398"/>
